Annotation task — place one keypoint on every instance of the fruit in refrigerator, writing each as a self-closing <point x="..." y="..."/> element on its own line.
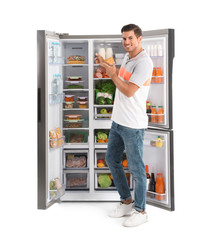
<point x="104" y="180"/>
<point x="103" y="111"/>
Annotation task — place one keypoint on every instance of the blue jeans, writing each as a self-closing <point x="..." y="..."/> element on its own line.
<point x="131" y="140"/>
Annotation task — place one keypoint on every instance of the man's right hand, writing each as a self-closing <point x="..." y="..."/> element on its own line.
<point x="99" y="59"/>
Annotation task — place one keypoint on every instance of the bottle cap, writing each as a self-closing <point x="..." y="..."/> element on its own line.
<point x="160" y="106"/>
<point x="147" y="168"/>
<point x="148" y="104"/>
<point x="154" y="106"/>
<point x="158" y="136"/>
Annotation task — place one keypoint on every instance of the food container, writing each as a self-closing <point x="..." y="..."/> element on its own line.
<point x="82" y="104"/>
<point x="74" y="78"/>
<point x="73" y="116"/>
<point x="82" y="98"/>
<point x="69" y="105"/>
<point x="69" y="98"/>
<point x="73" y="124"/>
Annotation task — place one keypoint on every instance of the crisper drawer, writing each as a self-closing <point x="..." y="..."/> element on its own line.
<point x="75" y="180"/>
<point x="103" y="112"/>
<point x="104" y="180"/>
<point x="100" y="161"/>
<point x="76" y="159"/>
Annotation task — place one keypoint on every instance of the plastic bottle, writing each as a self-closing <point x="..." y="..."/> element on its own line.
<point x="154" y="72"/>
<point x="147" y="174"/>
<point x="159" y="142"/>
<point x="154" y="116"/>
<point x="102" y="50"/>
<point x="148" y="110"/>
<point x="160" y="50"/>
<point x="160" y="117"/>
<point x="56" y="86"/>
<point x="159" y="186"/>
<point x="109" y="51"/>
<point x="155" y="50"/>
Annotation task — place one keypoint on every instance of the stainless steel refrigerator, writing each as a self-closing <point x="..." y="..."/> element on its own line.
<point x="73" y="126"/>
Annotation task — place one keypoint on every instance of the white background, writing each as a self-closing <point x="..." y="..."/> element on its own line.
<point x="18" y="79"/>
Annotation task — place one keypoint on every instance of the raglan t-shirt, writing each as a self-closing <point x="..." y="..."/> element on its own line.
<point x="131" y="111"/>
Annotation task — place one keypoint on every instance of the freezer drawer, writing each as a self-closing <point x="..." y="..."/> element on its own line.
<point x="76" y="159"/>
<point x="158" y="155"/>
<point x="77" y="180"/>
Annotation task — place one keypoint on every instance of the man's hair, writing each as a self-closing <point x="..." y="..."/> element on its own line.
<point x="137" y="30"/>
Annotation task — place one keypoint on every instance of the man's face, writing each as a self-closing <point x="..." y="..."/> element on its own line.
<point x="130" y="41"/>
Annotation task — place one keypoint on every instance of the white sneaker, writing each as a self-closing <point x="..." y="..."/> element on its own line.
<point x="121" y="210"/>
<point x="135" y="219"/>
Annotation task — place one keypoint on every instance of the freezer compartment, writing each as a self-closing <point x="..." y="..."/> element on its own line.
<point x="76" y="100"/>
<point x="76" y="139"/>
<point x="101" y="137"/>
<point x="102" y="112"/>
<point x="77" y="181"/>
<point x="104" y="180"/>
<point x="75" y="51"/>
<point x="76" y="159"/>
<point x="75" y="119"/>
<point x="73" y="71"/>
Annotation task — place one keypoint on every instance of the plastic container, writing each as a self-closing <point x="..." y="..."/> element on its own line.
<point x="109" y="51"/>
<point x="154" y="115"/>
<point x="102" y="50"/>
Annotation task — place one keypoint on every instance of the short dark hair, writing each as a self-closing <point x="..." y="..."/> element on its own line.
<point x="137" y="30"/>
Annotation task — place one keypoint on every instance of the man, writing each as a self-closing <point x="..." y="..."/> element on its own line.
<point x="129" y="123"/>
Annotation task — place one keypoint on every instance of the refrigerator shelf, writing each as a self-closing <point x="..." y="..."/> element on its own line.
<point x="102" y="78"/>
<point x="75" y="65"/>
<point x="80" y="109"/>
<point x="76" y="90"/>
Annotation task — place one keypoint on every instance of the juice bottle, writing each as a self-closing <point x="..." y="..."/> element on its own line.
<point x="159" y="142"/>
<point x="154" y="114"/>
<point x="159" y="186"/>
<point x="153" y="75"/>
<point x="159" y="78"/>
<point x="160" y="117"/>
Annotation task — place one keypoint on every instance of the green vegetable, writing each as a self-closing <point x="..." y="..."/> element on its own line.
<point x="108" y="101"/>
<point x="102" y="136"/>
<point x="106" y="86"/>
<point x="104" y="181"/>
<point x="100" y="100"/>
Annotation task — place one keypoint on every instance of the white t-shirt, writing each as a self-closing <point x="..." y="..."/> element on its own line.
<point x="131" y="111"/>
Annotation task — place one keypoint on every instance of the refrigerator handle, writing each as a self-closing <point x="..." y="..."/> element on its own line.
<point x="39" y="104"/>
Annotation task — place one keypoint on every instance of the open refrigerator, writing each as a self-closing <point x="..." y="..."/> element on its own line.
<point x="71" y="155"/>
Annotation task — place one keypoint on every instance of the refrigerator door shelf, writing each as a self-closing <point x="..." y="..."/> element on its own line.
<point x="56" y="143"/>
<point x="56" y="194"/>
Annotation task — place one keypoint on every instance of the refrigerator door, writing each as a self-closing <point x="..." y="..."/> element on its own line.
<point x="50" y="138"/>
<point x="159" y="45"/>
<point x="158" y="155"/>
